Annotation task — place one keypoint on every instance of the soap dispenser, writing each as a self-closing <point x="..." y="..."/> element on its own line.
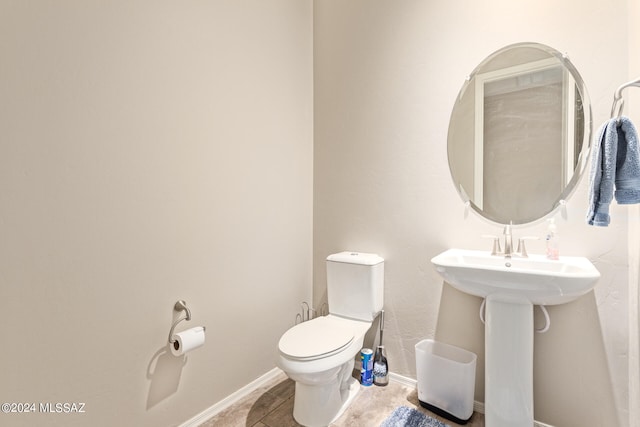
<point x="552" y="240"/>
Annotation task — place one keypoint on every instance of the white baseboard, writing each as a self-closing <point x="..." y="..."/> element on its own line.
<point x="232" y="398"/>
<point x="401" y="379"/>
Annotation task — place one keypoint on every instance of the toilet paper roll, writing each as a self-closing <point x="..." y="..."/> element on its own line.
<point x="188" y="340"/>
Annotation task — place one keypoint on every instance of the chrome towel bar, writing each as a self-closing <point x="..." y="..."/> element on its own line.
<point x="618" y="101"/>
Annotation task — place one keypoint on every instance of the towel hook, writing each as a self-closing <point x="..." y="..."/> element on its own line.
<point x="179" y="306"/>
<point x="618" y="101"/>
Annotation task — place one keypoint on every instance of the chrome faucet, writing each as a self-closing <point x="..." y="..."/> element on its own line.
<point x="508" y="241"/>
<point x="509" y="252"/>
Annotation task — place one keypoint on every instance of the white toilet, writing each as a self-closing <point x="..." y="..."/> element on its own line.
<point x="319" y="354"/>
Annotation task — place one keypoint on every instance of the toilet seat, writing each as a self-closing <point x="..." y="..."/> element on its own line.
<point x="315" y="339"/>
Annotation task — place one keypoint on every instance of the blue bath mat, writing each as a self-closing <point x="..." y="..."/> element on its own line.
<point x="408" y="417"/>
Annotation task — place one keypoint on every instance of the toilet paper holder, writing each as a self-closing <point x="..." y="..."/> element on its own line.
<point x="180" y="305"/>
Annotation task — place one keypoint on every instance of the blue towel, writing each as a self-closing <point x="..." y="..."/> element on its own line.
<point x="615" y="164"/>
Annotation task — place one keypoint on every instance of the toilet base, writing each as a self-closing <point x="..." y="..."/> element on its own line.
<point x="320" y="405"/>
<point x="353" y="387"/>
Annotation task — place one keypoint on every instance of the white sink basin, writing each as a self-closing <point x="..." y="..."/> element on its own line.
<point x="536" y="279"/>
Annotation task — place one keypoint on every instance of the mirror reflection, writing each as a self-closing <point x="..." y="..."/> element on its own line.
<point x="519" y="134"/>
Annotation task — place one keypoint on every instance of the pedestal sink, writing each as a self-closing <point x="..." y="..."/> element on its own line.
<point x="512" y="286"/>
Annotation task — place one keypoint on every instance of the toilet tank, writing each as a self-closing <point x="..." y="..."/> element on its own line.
<point x="355" y="285"/>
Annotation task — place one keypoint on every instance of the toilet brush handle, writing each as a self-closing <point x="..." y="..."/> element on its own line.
<point x="381" y="325"/>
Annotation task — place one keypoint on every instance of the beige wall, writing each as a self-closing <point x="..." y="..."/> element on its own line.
<point x="632" y="107"/>
<point x="150" y="151"/>
<point x="386" y="75"/>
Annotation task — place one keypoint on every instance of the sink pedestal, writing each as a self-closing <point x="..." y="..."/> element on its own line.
<point x="512" y="286"/>
<point x="508" y="363"/>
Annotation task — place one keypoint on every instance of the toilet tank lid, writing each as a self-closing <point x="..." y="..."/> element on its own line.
<point x="356" y="258"/>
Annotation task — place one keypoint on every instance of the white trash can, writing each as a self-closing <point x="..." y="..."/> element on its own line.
<point x="446" y="379"/>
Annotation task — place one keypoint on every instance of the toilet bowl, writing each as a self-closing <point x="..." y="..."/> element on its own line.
<point x="319" y="355"/>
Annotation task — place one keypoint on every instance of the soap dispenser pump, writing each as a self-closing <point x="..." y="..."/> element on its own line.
<point x="553" y="243"/>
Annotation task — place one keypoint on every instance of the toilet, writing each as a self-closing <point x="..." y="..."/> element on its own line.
<point x="319" y="354"/>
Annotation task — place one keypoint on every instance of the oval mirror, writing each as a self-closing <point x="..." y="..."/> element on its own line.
<point x="519" y="134"/>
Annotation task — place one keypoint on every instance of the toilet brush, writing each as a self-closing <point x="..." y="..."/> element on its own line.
<point x="380" y="365"/>
<point x="381" y="325"/>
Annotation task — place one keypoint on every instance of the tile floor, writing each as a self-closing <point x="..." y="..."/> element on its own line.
<point x="272" y="406"/>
